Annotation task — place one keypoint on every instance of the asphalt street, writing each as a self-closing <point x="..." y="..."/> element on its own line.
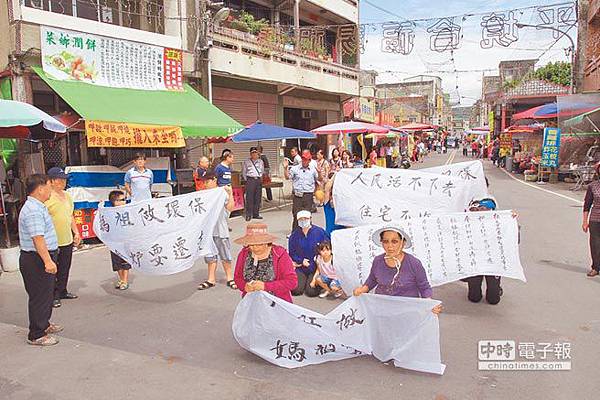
<point x="163" y="339"/>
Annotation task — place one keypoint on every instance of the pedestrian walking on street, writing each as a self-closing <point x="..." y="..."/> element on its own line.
<point x="304" y="180"/>
<point x="139" y="180"/>
<point x="323" y="170"/>
<point x="296" y="158"/>
<point x="221" y="240"/>
<point x="266" y="178"/>
<point x="252" y="173"/>
<point x="201" y="170"/>
<point x="336" y="160"/>
<point x="263" y="265"/>
<point x="223" y="169"/>
<point x="591" y="221"/>
<point x="37" y="261"/>
<point x="302" y="247"/>
<point x="116" y="198"/>
<point x="60" y="206"/>
<point x="396" y="273"/>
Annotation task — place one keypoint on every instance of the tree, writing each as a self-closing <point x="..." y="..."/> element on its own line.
<point x="558" y="72"/>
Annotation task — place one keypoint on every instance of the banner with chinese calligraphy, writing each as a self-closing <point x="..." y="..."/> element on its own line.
<point x="470" y="172"/>
<point x="162" y="236"/>
<point x="450" y="247"/>
<point x="366" y="196"/>
<point x="114" y="134"/>
<point x="105" y="61"/>
<point x="401" y="329"/>
<point x="551" y="147"/>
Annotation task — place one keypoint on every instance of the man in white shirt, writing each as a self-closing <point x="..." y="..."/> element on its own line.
<point x="139" y="180"/>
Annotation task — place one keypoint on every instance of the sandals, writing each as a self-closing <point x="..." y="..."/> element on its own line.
<point x="44" y="341"/>
<point x="232" y="284"/>
<point x="206" y="285"/>
<point x="124" y="286"/>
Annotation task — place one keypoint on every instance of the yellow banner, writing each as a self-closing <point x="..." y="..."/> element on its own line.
<point x="115" y="134"/>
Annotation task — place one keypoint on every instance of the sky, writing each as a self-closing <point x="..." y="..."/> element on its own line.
<point x="469" y="59"/>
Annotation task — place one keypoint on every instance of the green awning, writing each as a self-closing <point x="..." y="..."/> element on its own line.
<point x="188" y="109"/>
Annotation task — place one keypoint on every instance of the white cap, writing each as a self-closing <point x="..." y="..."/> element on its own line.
<point x="303" y="214"/>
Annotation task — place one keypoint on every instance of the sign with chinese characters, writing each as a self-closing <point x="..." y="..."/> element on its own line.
<point x="84" y="218"/>
<point x="551" y="147"/>
<point x="401" y="329"/>
<point x="114" y="134"/>
<point x="450" y="247"/>
<point x="506" y="141"/>
<point x="104" y="61"/>
<point x="364" y="109"/>
<point x="162" y="236"/>
<point x="469" y="171"/>
<point x="366" y="196"/>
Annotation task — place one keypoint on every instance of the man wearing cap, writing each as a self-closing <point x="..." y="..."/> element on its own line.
<point x="252" y="172"/>
<point x="302" y="246"/>
<point x="396" y="273"/>
<point x="139" y="180"/>
<point x="304" y="179"/>
<point x="60" y="207"/>
<point x="39" y="249"/>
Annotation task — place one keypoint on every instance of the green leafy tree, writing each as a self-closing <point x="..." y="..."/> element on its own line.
<point x="558" y="72"/>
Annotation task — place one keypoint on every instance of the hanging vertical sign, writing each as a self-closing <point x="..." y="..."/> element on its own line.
<point x="551" y="147"/>
<point x="104" y="61"/>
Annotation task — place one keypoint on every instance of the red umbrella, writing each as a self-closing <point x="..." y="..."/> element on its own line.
<point x="349" y="127"/>
<point x="415" y="126"/>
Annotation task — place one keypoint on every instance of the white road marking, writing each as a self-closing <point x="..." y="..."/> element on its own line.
<point x="542" y="189"/>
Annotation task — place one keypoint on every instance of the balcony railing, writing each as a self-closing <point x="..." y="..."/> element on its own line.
<point x="145" y="15"/>
<point x="279" y="49"/>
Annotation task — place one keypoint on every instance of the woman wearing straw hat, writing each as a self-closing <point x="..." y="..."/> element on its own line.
<point x="262" y="265"/>
<point x="396" y="273"/>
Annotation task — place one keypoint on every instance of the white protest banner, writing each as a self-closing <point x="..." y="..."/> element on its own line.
<point x="105" y="61"/>
<point x="470" y="171"/>
<point x="366" y="196"/>
<point x="162" y="236"/>
<point x="450" y="247"/>
<point x="401" y="329"/>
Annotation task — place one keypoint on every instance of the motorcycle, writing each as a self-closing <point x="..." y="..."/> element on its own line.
<point x="403" y="161"/>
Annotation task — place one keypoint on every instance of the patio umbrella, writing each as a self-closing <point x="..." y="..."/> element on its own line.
<point x="349" y="127"/>
<point x="23" y="121"/>
<point x="415" y="126"/>
<point x="261" y="131"/>
<point x="553" y="110"/>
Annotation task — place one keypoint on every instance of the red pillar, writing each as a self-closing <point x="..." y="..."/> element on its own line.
<point x="503" y="116"/>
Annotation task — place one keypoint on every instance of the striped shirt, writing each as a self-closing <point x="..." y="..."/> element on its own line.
<point x="140" y="183"/>
<point x="35" y="220"/>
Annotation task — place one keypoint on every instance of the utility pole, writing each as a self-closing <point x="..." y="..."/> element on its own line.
<point x="202" y="48"/>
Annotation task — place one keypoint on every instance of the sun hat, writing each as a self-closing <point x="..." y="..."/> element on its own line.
<point x="303" y="214"/>
<point x="57" y="173"/>
<point x="256" y="233"/>
<point x="376" y="237"/>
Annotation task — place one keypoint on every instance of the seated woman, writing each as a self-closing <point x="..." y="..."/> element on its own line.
<point x="396" y="273"/>
<point x="262" y="265"/>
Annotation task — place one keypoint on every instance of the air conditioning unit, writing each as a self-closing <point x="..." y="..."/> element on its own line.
<point x="309" y="114"/>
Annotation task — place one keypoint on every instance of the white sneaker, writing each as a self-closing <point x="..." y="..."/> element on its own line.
<point x="338" y="294"/>
<point x="324" y="294"/>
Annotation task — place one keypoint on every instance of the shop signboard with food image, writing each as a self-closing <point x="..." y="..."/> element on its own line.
<point x="104" y="61"/>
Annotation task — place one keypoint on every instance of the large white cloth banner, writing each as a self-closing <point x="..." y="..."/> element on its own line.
<point x="162" y="236"/>
<point x="469" y="171"/>
<point x="367" y="196"/>
<point x="450" y="247"/>
<point x="401" y="329"/>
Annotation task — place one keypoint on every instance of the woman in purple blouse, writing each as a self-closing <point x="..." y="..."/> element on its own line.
<point x="591" y="222"/>
<point x="396" y="273"/>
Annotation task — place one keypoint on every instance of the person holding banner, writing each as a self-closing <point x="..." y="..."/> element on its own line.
<point x="262" y="265"/>
<point x="302" y="247"/>
<point x="139" y="180"/>
<point x="220" y="238"/>
<point x="396" y="273"/>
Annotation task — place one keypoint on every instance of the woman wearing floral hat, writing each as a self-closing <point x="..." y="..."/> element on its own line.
<point x="396" y="273"/>
<point x="262" y="265"/>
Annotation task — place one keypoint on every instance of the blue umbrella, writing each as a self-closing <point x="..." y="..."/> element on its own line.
<point x="261" y="131"/>
<point x="565" y="108"/>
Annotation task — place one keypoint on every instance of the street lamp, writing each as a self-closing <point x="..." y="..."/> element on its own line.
<point x="571" y="49"/>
